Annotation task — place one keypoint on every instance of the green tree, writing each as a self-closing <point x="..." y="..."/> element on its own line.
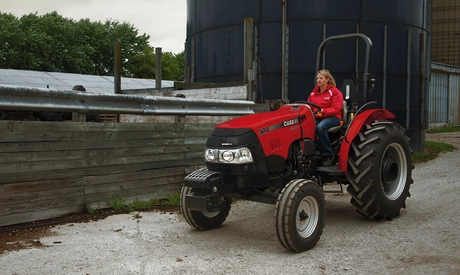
<point x="53" y="43"/>
<point x="11" y="41"/>
<point x="143" y="64"/>
<point x="173" y="66"/>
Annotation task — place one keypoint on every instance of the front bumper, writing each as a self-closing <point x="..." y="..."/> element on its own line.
<point x="207" y="192"/>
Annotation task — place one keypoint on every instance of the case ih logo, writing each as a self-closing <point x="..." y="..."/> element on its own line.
<point x="286" y="123"/>
<point x="290" y="122"/>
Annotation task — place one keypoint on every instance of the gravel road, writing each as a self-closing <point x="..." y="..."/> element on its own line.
<point x="425" y="239"/>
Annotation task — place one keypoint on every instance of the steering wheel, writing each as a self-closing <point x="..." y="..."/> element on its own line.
<point x="318" y="109"/>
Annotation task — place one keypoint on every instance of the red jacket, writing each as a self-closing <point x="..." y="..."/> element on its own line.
<point x="330" y="101"/>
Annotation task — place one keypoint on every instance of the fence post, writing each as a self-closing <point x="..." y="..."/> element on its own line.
<point x="117" y="69"/>
<point x="158" y="68"/>
<point x="248" y="56"/>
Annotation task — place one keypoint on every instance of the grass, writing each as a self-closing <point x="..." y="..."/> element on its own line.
<point x="174" y="199"/>
<point x="119" y="204"/>
<point x="88" y="207"/>
<point x="138" y="205"/>
<point x="433" y="149"/>
<point x="444" y="130"/>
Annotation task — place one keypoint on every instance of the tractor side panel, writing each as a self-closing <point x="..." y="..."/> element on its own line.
<point x="276" y="139"/>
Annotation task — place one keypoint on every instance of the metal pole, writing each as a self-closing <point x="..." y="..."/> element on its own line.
<point x="158" y="68"/>
<point x="357" y="56"/>
<point x="19" y="98"/>
<point x="409" y="52"/>
<point x="248" y="56"/>
<point x="193" y="62"/>
<point x="321" y="50"/>
<point x="422" y="81"/>
<point x="324" y="56"/>
<point x="257" y="75"/>
<point x="385" y="50"/>
<point x="448" y="104"/>
<point x="187" y="65"/>
<point x="284" y="53"/>
<point x="117" y="68"/>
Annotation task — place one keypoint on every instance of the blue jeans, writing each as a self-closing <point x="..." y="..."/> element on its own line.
<point x="324" y="144"/>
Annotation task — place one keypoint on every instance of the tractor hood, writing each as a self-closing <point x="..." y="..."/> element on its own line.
<point x="291" y="116"/>
<point x="275" y="131"/>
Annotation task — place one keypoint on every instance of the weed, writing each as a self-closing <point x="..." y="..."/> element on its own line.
<point x="136" y="215"/>
<point x="174" y="199"/>
<point x="138" y="204"/>
<point x="117" y="203"/>
<point x="88" y="208"/>
<point x="431" y="151"/>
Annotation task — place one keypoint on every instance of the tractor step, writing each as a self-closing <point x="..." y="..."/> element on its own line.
<point x="336" y="188"/>
<point x="330" y="171"/>
<point x="329" y="177"/>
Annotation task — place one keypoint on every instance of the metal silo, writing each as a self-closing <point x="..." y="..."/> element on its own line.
<point x="398" y="30"/>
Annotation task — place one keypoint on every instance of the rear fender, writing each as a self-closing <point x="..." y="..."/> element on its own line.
<point x="355" y="127"/>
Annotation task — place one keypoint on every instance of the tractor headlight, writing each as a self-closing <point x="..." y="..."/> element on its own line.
<point x="228" y="156"/>
<point x="244" y="155"/>
<point x="236" y="156"/>
<point x="211" y="155"/>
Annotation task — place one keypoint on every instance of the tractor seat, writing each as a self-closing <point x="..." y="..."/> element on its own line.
<point x="342" y="122"/>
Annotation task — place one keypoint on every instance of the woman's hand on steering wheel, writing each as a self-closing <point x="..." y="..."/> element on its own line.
<point x="311" y="104"/>
<point x="317" y="110"/>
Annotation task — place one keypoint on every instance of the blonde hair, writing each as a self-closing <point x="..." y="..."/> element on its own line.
<point x="329" y="77"/>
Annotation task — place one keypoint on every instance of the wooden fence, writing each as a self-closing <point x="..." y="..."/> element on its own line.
<point x="50" y="169"/>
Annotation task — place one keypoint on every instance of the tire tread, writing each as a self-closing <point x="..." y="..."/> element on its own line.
<point x="364" y="184"/>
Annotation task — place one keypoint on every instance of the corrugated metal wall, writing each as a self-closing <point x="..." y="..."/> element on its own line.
<point x="443" y="99"/>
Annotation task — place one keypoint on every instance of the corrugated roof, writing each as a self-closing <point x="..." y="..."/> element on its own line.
<point x="65" y="81"/>
<point x="445" y="67"/>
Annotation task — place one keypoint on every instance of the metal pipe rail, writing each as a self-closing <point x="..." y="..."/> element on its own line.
<point x="17" y="98"/>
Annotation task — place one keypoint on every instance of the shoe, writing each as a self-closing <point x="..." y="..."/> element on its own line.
<point x="327" y="160"/>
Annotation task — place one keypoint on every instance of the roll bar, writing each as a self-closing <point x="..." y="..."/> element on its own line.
<point x="367" y="76"/>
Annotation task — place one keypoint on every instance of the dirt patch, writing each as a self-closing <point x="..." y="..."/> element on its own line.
<point x="28" y="235"/>
<point x="24" y="238"/>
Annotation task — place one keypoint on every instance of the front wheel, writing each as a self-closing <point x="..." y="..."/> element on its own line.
<point x="203" y="220"/>
<point x="380" y="170"/>
<point x="300" y="214"/>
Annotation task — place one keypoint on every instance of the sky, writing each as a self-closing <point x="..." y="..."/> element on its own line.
<point x="163" y="20"/>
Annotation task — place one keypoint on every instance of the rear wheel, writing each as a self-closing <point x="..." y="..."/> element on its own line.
<point x="380" y="170"/>
<point x="203" y="220"/>
<point x="299" y="215"/>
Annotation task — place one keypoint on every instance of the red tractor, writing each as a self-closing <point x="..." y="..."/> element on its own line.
<point x="272" y="158"/>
